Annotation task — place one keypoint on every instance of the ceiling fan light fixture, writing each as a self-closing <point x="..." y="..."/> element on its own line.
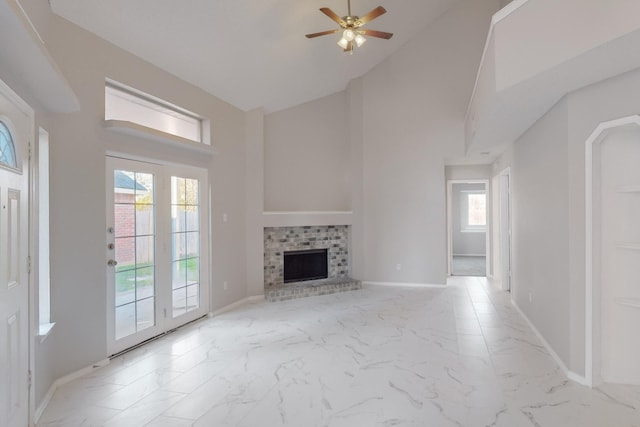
<point x="349" y="34"/>
<point x="343" y="43"/>
<point x="359" y="39"/>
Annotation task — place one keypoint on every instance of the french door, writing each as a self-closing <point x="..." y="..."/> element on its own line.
<point x="157" y="249"/>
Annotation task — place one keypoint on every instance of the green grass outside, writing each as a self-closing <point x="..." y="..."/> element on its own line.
<point x="126" y="274"/>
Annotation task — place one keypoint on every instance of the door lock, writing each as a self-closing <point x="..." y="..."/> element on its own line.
<point x="112" y="263"/>
<point x="111" y="246"/>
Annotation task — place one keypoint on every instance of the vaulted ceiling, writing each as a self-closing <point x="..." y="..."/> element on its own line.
<point x="251" y="53"/>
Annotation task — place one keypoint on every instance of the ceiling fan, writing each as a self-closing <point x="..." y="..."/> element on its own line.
<point x="351" y="26"/>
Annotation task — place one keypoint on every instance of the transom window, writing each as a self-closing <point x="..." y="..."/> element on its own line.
<point x="7" y="148"/>
<point x="131" y="105"/>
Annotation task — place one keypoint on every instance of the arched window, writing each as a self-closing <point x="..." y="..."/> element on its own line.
<point x="7" y="149"/>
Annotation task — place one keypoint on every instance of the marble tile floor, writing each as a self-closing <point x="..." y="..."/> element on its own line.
<point x="382" y="356"/>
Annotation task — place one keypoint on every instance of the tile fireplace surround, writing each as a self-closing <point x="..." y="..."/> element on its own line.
<point x="277" y="240"/>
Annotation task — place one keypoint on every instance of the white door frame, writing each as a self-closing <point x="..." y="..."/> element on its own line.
<point x="450" y="183"/>
<point x="505" y="228"/>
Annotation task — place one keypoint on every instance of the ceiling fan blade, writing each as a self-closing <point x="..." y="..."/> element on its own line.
<point x="371" y="16"/>
<point x="323" y="33"/>
<point x="349" y="47"/>
<point x="374" y="33"/>
<point x="331" y="14"/>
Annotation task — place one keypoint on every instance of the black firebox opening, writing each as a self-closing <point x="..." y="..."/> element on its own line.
<point x="305" y="265"/>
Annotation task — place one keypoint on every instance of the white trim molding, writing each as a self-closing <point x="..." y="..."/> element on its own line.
<point x="596" y="137"/>
<point x="570" y="374"/>
<point x="65" y="380"/>
<point x="234" y="305"/>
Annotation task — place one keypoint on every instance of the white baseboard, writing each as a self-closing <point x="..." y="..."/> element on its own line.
<point x="235" y="305"/>
<point x="65" y="380"/>
<point x="474" y="255"/>
<point x="403" y="284"/>
<point x="580" y="379"/>
<point x="570" y="374"/>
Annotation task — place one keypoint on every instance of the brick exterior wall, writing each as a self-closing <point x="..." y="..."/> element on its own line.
<point x="125" y="225"/>
<point x="277" y="240"/>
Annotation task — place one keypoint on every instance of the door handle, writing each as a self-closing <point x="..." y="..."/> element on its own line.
<point x="112" y="263"/>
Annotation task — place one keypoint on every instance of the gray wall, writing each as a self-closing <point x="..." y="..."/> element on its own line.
<point x="254" y="135"/>
<point x="468" y="172"/>
<point x="414" y="109"/>
<point x="540" y="218"/>
<point x="306" y="160"/>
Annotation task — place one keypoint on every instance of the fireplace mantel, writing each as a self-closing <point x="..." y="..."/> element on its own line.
<point x="306" y="218"/>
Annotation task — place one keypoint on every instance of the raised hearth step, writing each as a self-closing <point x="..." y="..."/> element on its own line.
<point x="311" y="288"/>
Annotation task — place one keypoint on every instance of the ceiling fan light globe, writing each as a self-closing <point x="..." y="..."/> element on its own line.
<point x="343" y="43"/>
<point x="359" y="39"/>
<point x="349" y="35"/>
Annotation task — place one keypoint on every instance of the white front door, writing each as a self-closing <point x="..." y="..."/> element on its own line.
<point x="16" y="129"/>
<point x="157" y="249"/>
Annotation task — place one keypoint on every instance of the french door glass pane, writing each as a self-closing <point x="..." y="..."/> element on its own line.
<point x="179" y="301"/>
<point x="125" y="320"/>
<point x="134" y="251"/>
<point x="185" y="238"/>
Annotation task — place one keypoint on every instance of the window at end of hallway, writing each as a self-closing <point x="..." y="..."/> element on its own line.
<point x="475" y="215"/>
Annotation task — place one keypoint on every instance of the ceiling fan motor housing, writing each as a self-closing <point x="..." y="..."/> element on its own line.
<point x="350" y="21"/>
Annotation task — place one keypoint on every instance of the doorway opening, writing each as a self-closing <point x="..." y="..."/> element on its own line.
<point x="468" y="227"/>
